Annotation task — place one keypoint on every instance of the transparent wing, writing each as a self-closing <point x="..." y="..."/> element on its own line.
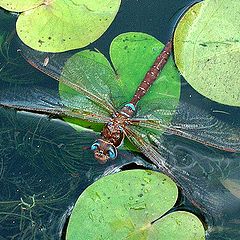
<point x="198" y="187"/>
<point x="45" y="100"/>
<point x="77" y="75"/>
<point x="193" y="123"/>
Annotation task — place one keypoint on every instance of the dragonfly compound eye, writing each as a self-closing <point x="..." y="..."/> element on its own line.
<point x="112" y="152"/>
<point x="95" y="146"/>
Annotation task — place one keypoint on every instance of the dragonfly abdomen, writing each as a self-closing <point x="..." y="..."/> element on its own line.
<point x="152" y="74"/>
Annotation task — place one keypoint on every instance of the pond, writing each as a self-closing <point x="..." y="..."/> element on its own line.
<point x="45" y="163"/>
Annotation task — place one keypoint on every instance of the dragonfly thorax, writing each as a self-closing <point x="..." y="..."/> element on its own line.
<point x="128" y="110"/>
<point x="113" y="134"/>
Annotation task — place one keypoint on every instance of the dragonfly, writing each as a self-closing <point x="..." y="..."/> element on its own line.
<point x="142" y="130"/>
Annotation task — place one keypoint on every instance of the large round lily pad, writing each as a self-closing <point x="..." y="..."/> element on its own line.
<point x="132" y="54"/>
<point x="128" y="205"/>
<point x="207" y="49"/>
<point x="60" y="25"/>
<point x="20" y="5"/>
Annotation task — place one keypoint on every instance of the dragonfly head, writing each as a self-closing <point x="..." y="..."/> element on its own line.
<point x="103" y="151"/>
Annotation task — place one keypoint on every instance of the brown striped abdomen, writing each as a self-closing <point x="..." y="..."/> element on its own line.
<point x="153" y="73"/>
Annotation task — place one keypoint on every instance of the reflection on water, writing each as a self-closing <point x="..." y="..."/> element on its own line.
<point x="45" y="164"/>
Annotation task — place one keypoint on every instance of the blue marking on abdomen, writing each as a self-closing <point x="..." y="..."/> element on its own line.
<point x="130" y="105"/>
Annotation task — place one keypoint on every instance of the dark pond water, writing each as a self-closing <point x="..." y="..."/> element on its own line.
<point x="45" y="164"/>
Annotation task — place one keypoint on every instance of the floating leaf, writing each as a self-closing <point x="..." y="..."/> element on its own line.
<point x="20" y="5"/>
<point x="126" y="205"/>
<point x="132" y="55"/>
<point x="207" y="49"/>
<point x="56" y="26"/>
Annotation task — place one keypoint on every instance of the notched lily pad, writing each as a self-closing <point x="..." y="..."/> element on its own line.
<point x="207" y="49"/>
<point x="132" y="55"/>
<point x="125" y="206"/>
<point x="56" y="26"/>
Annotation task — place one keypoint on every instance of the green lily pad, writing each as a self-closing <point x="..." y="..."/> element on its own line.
<point x="207" y="49"/>
<point x="56" y="26"/>
<point x="132" y="55"/>
<point x="128" y="205"/>
<point x="20" y="5"/>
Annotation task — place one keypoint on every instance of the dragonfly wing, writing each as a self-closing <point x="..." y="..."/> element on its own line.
<point x="194" y="184"/>
<point x="75" y="72"/>
<point x="45" y="101"/>
<point x="193" y="123"/>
